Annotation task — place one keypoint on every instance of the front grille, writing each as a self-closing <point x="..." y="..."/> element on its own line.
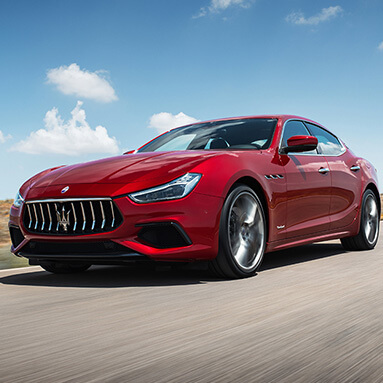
<point x="71" y="216"/>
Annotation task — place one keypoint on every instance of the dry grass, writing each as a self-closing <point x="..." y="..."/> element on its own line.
<point x="7" y="259"/>
<point x="5" y="206"/>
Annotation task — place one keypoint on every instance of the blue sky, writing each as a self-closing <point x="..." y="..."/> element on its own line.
<point x="138" y="67"/>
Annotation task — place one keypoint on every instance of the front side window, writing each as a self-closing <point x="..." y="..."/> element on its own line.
<point x="327" y="143"/>
<point x="295" y="128"/>
<point x="247" y="133"/>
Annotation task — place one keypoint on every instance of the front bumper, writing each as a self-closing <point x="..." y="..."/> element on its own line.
<point x="196" y="217"/>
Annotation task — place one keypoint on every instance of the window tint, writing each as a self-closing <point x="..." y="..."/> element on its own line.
<point x="179" y="143"/>
<point x="295" y="128"/>
<point x="248" y="133"/>
<point x="327" y="143"/>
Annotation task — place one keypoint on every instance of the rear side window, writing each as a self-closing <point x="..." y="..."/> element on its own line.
<point x="295" y="128"/>
<point x="327" y="143"/>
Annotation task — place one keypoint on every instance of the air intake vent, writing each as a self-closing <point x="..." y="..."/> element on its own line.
<point x="16" y="236"/>
<point x="163" y="235"/>
<point x="71" y="216"/>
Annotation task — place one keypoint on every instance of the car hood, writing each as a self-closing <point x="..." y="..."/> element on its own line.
<point x="133" y="171"/>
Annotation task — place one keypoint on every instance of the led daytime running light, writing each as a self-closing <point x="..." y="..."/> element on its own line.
<point x="175" y="189"/>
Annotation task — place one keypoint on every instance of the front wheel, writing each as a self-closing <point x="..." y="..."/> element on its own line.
<point x="242" y="235"/>
<point x="368" y="234"/>
<point x="64" y="268"/>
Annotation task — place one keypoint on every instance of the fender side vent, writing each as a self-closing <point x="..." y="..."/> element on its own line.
<point x="274" y="176"/>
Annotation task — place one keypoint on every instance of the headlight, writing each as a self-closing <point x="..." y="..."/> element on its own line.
<point x="176" y="189"/>
<point x="19" y="200"/>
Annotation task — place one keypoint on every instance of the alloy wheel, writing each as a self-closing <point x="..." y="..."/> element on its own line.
<point x="371" y="219"/>
<point x="246" y="230"/>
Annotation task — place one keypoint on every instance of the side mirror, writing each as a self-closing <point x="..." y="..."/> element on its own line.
<point x="299" y="144"/>
<point x="130" y="151"/>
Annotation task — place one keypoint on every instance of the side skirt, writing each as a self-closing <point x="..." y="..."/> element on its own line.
<point x="292" y="242"/>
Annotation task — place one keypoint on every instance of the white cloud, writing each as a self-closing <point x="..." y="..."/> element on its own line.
<point x="324" y="15"/>
<point x="71" y="80"/>
<point x="72" y="138"/>
<point x="380" y="46"/>
<point x="164" y="121"/>
<point x="4" y="138"/>
<point x="217" y="6"/>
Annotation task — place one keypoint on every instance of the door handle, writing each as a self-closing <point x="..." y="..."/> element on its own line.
<point x="323" y="170"/>
<point x="355" y="168"/>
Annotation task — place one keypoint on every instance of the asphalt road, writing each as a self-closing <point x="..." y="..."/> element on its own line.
<point x="312" y="314"/>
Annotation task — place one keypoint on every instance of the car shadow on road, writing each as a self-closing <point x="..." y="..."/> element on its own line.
<point x="307" y="253"/>
<point x="133" y="276"/>
<point x="111" y="277"/>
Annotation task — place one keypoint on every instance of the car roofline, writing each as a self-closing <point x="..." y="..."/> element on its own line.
<point x="283" y="117"/>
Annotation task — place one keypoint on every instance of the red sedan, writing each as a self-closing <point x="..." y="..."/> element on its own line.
<point x="227" y="191"/>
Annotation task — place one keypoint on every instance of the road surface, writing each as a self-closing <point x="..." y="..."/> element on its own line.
<point x="312" y="314"/>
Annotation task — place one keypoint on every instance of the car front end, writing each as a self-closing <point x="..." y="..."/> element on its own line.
<point x="109" y="223"/>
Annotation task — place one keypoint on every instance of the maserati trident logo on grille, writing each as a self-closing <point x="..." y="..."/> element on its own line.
<point x="63" y="219"/>
<point x="64" y="190"/>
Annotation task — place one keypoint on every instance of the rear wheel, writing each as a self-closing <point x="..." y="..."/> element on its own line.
<point x="242" y="235"/>
<point x="368" y="234"/>
<point x="64" y="268"/>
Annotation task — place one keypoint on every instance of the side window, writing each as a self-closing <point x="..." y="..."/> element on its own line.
<point x="295" y="128"/>
<point x="327" y="143"/>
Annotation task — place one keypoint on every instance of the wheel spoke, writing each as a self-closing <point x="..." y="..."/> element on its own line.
<point x="374" y="227"/>
<point x="374" y="210"/>
<point x="242" y="254"/>
<point x="237" y="211"/>
<point x="236" y="241"/>
<point x="368" y="230"/>
<point x="251" y="210"/>
<point x="372" y="231"/>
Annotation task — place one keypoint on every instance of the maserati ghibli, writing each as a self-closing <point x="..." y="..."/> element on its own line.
<point x="225" y="191"/>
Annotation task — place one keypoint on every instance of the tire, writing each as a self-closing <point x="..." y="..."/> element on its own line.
<point x="368" y="234"/>
<point x="64" y="268"/>
<point x="242" y="235"/>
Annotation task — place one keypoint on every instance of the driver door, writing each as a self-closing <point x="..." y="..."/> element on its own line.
<point x="308" y="184"/>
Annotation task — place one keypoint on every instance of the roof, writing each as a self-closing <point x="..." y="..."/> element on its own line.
<point x="282" y="117"/>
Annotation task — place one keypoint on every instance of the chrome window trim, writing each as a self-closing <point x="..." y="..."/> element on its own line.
<point x="332" y="134"/>
<point x="310" y="154"/>
<point x="68" y="200"/>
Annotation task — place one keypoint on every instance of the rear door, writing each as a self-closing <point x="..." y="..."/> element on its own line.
<point x="345" y="175"/>
<point x="308" y="183"/>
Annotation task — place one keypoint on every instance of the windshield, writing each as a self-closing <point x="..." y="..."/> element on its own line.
<point x="249" y="133"/>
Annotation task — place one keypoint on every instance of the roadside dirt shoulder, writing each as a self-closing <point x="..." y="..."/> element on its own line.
<point x="5" y="206"/>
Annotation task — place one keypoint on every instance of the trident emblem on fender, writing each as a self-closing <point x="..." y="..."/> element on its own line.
<point x="63" y="219"/>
